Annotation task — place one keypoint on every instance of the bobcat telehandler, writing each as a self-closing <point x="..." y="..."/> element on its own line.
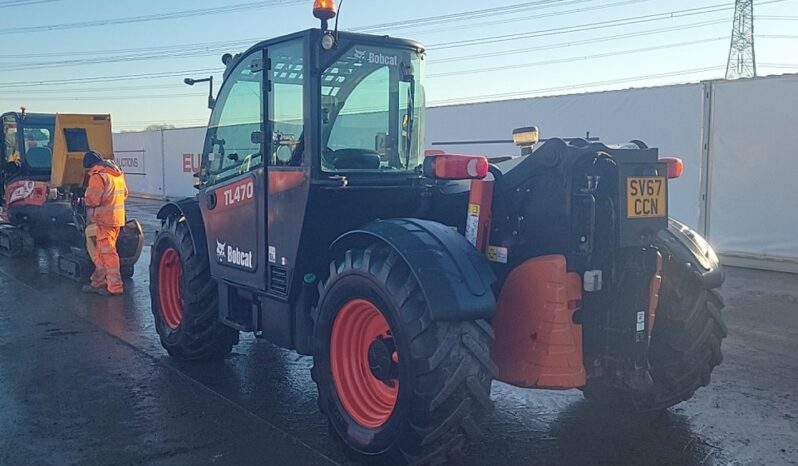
<point x="416" y="280"/>
<point x="42" y="179"/>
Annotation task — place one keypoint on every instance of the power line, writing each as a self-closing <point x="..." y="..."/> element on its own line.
<point x="104" y="89"/>
<point x="451" y="73"/>
<point x="779" y="65"/>
<point x="105" y="98"/>
<point x="480" y="41"/>
<point x="464" y="15"/>
<point x="589" y="26"/>
<point x="166" y="48"/>
<point x="776" y="18"/>
<point x="575" y="59"/>
<point x="579" y="42"/>
<point x="203" y="49"/>
<point x="152" y="17"/>
<point x="531" y="92"/>
<point x="178" y="73"/>
<point x="117" y="59"/>
<point x="532" y="17"/>
<point x="99" y="79"/>
<point x="16" y="3"/>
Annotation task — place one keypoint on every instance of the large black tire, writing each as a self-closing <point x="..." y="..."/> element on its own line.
<point x="685" y="344"/>
<point x="21" y="243"/>
<point x="444" y="368"/>
<point x="197" y="333"/>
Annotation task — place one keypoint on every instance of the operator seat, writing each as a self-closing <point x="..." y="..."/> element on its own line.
<point x="355" y="159"/>
<point x="39" y="157"/>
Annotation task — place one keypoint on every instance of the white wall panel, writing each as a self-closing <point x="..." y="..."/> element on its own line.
<point x="754" y="161"/>
<point x="182" y="153"/>
<point x="142" y="149"/>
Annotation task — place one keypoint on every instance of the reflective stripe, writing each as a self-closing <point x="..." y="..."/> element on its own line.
<point x="114" y="280"/>
<point x="105" y="250"/>
<point x="94" y="192"/>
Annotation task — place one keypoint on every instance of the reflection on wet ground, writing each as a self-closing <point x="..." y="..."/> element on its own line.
<point x="259" y="404"/>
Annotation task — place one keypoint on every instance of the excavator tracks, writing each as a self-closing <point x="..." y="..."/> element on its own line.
<point x="15" y="241"/>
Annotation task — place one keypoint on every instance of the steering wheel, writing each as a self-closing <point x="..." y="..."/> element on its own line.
<point x="355" y="159"/>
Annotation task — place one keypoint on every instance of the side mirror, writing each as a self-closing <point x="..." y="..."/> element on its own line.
<point x="256" y="137"/>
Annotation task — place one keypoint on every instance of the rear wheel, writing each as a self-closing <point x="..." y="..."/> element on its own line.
<point x="185" y="297"/>
<point x="395" y="385"/>
<point x="685" y="344"/>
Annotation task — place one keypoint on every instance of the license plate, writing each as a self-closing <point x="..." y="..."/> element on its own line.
<point x="646" y="197"/>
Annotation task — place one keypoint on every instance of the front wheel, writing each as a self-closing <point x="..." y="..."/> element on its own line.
<point x="185" y="297"/>
<point x="395" y="385"/>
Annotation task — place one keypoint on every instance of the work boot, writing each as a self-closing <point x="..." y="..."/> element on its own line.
<point x="90" y="289"/>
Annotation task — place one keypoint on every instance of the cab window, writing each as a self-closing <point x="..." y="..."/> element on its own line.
<point x="233" y="142"/>
<point x="10" y="141"/>
<point x="286" y="103"/>
<point x="372" y="106"/>
<point x="38" y="148"/>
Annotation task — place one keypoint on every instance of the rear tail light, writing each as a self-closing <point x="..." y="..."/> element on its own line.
<point x="455" y="166"/>
<point x="675" y="166"/>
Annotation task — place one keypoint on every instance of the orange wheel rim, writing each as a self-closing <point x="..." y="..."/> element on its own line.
<point x="364" y="363"/>
<point x="170" y="274"/>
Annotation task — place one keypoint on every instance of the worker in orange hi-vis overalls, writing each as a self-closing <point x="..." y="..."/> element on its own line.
<point x="105" y="204"/>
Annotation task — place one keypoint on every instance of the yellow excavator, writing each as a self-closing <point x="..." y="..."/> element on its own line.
<point x="43" y="181"/>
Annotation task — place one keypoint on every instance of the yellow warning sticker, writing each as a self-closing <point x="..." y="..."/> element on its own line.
<point x="497" y="254"/>
<point x="473" y="209"/>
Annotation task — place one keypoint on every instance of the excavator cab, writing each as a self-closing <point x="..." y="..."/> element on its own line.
<point x="26" y="145"/>
<point x="30" y="207"/>
<point x="43" y="179"/>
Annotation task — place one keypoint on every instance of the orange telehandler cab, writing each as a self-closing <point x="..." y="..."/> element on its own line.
<point x="415" y="279"/>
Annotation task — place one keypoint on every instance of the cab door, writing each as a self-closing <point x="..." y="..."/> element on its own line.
<point x="9" y="151"/>
<point x="233" y="195"/>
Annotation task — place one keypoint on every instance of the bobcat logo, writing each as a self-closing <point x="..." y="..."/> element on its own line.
<point x="220" y="251"/>
<point x="360" y="54"/>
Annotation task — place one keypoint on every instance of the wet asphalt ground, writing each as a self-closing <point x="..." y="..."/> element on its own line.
<point x="83" y="380"/>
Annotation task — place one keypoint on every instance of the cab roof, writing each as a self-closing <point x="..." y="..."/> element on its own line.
<point x="34" y="119"/>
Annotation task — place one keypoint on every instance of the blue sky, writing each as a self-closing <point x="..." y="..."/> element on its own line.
<point x="612" y="44"/>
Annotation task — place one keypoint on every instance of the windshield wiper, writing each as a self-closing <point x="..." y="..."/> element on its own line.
<point x="407" y="76"/>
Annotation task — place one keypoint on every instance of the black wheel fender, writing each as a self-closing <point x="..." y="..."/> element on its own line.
<point x="688" y="247"/>
<point x="188" y="209"/>
<point x="454" y="277"/>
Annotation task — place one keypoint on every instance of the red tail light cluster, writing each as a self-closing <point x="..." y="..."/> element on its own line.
<point x="438" y="164"/>
<point x="675" y="166"/>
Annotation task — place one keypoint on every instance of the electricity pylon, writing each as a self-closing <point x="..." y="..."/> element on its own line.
<point x="742" y="59"/>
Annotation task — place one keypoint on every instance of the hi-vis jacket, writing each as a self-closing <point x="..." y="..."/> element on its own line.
<point x="105" y="196"/>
